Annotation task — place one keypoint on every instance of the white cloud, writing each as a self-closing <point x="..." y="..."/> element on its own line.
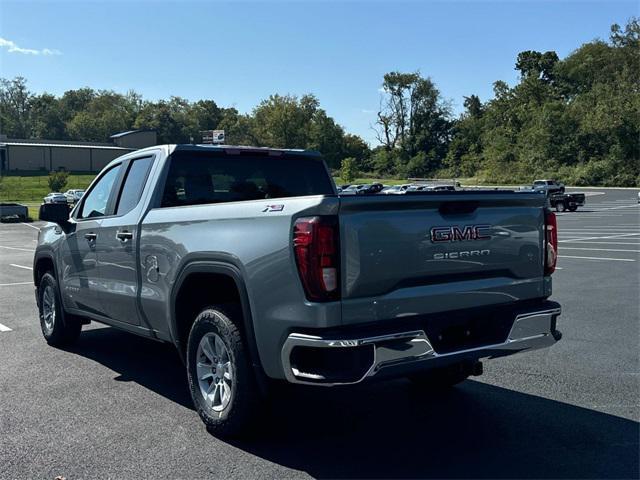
<point x="13" y="48"/>
<point x="382" y="90"/>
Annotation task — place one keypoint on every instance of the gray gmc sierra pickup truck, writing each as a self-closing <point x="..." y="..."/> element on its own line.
<point x="248" y="262"/>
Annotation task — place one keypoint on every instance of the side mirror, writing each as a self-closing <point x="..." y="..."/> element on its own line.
<point x="55" y="212"/>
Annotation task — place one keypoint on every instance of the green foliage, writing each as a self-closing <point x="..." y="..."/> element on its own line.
<point x="576" y="119"/>
<point x="414" y="126"/>
<point x="15" y="107"/>
<point x="348" y="170"/>
<point x="89" y="115"/>
<point x="57" y="181"/>
<point x="32" y="188"/>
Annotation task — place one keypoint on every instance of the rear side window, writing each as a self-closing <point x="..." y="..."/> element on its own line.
<point x="206" y="177"/>
<point x="133" y="185"/>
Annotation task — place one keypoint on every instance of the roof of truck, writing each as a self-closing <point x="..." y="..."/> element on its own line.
<point x="246" y="149"/>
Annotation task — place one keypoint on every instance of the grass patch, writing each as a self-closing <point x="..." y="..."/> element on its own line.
<point x="29" y="189"/>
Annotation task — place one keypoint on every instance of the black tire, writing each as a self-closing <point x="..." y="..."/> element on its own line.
<point x="234" y="418"/>
<point x="573" y="208"/>
<point x="561" y="207"/>
<point x="441" y="378"/>
<point x="58" y="328"/>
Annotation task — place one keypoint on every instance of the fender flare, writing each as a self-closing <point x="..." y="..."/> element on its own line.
<point x="39" y="255"/>
<point x="43" y="254"/>
<point x="221" y="264"/>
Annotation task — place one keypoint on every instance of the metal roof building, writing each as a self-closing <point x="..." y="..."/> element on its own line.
<point x="18" y="155"/>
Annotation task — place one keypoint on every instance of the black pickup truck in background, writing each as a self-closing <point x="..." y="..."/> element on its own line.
<point x="558" y="199"/>
<point x="566" y="201"/>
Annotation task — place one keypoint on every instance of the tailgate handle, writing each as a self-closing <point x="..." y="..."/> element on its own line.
<point x="458" y="208"/>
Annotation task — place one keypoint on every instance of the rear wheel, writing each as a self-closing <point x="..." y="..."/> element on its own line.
<point x="59" y="329"/>
<point x="573" y="208"/>
<point x="561" y="207"/>
<point x="221" y="379"/>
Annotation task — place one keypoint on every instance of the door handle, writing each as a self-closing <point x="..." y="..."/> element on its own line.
<point x="91" y="236"/>
<point x="123" y="236"/>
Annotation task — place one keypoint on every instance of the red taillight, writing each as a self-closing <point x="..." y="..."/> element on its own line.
<point x="316" y="247"/>
<point x="551" y="242"/>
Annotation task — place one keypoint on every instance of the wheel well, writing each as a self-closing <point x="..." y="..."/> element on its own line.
<point x="196" y="292"/>
<point x="43" y="265"/>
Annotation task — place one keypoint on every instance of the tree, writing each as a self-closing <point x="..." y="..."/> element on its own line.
<point x="238" y="129"/>
<point x="413" y="122"/>
<point x="577" y="118"/>
<point x="57" y="181"/>
<point x="394" y="115"/>
<point x="537" y="65"/>
<point x="15" y="107"/>
<point x="348" y="169"/>
<point x="285" y="121"/>
<point x="163" y="117"/>
<point x="46" y="117"/>
<point x="473" y="106"/>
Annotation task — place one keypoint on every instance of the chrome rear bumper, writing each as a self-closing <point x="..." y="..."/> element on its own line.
<point x="530" y="331"/>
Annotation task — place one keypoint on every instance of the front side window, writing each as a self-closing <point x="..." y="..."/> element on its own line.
<point x="95" y="203"/>
<point x="133" y="185"/>
<point x="206" y="177"/>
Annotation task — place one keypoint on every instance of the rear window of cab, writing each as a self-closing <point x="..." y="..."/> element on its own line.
<point x="197" y="178"/>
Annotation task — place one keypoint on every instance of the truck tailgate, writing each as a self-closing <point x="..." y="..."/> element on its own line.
<point x="409" y="255"/>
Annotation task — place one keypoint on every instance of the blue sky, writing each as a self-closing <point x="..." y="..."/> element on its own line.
<point x="238" y="53"/>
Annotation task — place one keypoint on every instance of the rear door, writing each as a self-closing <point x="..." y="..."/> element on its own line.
<point x="117" y="250"/>
<point x="416" y="254"/>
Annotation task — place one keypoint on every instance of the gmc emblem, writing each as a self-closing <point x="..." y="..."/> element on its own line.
<point x="460" y="234"/>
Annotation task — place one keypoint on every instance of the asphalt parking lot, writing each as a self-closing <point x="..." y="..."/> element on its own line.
<point x="117" y="406"/>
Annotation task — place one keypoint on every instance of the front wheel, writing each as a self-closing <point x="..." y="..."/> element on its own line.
<point x="573" y="208"/>
<point x="59" y="329"/>
<point x="561" y="207"/>
<point x="221" y="380"/>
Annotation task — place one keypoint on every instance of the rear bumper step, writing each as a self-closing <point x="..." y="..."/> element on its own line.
<point x="317" y="360"/>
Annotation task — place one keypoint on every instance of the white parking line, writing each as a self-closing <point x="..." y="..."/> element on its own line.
<point x="601" y="228"/>
<point x="600" y="258"/>
<point x="31" y="226"/>
<point x="600" y="238"/>
<point x="608" y="243"/>
<point x="617" y="207"/>
<point x="20" y="266"/>
<point x="592" y="232"/>
<point x="4" y="328"/>
<point x="600" y="249"/>
<point x="16" y="283"/>
<point x="17" y="248"/>
<point x="633" y="228"/>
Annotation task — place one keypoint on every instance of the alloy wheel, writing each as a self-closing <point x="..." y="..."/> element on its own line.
<point x="215" y="371"/>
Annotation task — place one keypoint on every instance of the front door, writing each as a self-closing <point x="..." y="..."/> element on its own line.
<point x="79" y="267"/>
<point x="80" y="270"/>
